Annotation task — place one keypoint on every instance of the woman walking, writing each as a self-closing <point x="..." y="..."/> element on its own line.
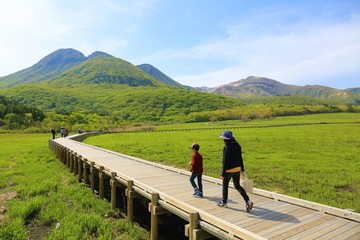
<point x="232" y="164"/>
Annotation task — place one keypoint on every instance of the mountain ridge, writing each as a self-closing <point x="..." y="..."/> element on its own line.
<point x="266" y="87"/>
<point x="53" y="66"/>
<point x="160" y="76"/>
<point x="104" y="70"/>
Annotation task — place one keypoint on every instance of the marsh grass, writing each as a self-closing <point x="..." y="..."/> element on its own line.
<point x="319" y="163"/>
<point x="45" y="194"/>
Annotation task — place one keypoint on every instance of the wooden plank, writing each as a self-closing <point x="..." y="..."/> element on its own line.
<point x="356" y="236"/>
<point x="270" y="219"/>
<point x="326" y="230"/>
<point x="302" y="227"/>
<point x="278" y="219"/>
<point x="349" y="233"/>
<point x="339" y="232"/>
<point x="317" y="206"/>
<point x="271" y="215"/>
<point x="319" y="230"/>
<point x="300" y="218"/>
<point x="255" y="214"/>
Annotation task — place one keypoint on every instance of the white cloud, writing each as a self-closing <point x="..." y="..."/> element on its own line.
<point x="301" y="53"/>
<point x="32" y="29"/>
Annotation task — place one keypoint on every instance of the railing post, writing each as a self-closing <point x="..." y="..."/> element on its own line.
<point x="57" y="151"/>
<point x="80" y="168"/>
<point x="63" y="155"/>
<point x="85" y="166"/>
<point x="68" y="158"/>
<point x="130" y="200"/>
<point x="193" y="224"/>
<point x="75" y="163"/>
<point x="101" y="182"/>
<point x="92" y="177"/>
<point x="154" y="216"/>
<point x="114" y="184"/>
<point x="71" y="161"/>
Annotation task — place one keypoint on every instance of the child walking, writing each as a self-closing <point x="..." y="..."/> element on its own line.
<point x="196" y="170"/>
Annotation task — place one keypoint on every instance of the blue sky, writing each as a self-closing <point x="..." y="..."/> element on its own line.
<point x="198" y="42"/>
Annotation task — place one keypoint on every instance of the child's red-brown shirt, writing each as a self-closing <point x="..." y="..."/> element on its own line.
<point x="196" y="163"/>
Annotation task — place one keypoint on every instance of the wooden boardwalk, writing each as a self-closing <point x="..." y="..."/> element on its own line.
<point x="274" y="216"/>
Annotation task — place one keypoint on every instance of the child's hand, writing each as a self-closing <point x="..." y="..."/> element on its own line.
<point x="190" y="163"/>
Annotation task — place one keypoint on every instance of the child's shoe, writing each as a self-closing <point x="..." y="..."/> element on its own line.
<point x="199" y="195"/>
<point x="196" y="191"/>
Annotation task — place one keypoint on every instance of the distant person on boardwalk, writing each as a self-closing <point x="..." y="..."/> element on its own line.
<point x="66" y="132"/>
<point x="196" y="170"/>
<point x="232" y="164"/>
<point x="53" y="132"/>
<point x="62" y="131"/>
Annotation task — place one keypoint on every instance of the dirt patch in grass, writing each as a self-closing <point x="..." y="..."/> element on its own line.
<point x="38" y="230"/>
<point x="3" y="198"/>
<point x="346" y="188"/>
<point x="6" y="196"/>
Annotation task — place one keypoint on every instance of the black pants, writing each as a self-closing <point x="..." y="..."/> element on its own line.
<point x="236" y="179"/>
<point x="53" y="135"/>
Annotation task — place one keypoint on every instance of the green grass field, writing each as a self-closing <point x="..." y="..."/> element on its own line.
<point x="319" y="163"/>
<point x="38" y="192"/>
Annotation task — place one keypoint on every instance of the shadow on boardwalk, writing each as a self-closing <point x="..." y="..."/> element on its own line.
<point x="259" y="212"/>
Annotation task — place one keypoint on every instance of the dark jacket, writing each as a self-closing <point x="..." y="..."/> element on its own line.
<point x="196" y="163"/>
<point x="232" y="157"/>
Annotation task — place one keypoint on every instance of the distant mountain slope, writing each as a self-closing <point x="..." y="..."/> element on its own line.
<point x="105" y="70"/>
<point x="51" y="65"/>
<point x="260" y="86"/>
<point x="160" y="76"/>
<point x="353" y="90"/>
<point x="255" y="86"/>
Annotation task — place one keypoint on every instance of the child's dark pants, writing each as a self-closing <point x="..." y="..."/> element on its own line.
<point x="199" y="180"/>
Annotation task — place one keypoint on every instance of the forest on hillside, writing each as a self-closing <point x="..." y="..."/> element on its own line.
<point x="152" y="108"/>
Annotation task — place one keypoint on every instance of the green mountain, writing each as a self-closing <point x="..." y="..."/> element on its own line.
<point x="160" y="76"/>
<point x="50" y="66"/>
<point x="253" y="87"/>
<point x="115" y="88"/>
<point x="104" y="70"/>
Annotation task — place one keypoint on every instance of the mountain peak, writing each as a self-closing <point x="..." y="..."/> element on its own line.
<point x="99" y="54"/>
<point x="51" y="65"/>
<point x="61" y="60"/>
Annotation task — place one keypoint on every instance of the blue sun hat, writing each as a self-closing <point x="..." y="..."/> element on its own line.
<point x="227" y="135"/>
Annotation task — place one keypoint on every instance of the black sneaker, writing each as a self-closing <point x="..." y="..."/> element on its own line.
<point x="199" y="195"/>
<point x="222" y="204"/>
<point x="249" y="205"/>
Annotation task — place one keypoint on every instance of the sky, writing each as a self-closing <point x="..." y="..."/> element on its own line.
<point x="195" y="42"/>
